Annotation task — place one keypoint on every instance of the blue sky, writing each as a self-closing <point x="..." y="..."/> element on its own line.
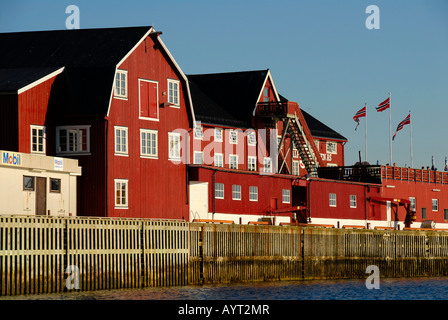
<point x="320" y="54"/>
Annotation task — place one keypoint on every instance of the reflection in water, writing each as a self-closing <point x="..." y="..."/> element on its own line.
<point x="390" y="289"/>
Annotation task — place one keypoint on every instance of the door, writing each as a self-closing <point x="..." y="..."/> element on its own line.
<point x="274" y="203"/>
<point x="149" y="107"/>
<point x="41" y="196"/>
<point x="199" y="201"/>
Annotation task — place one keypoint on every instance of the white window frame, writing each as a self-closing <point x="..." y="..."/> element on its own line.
<point x="252" y="138"/>
<point x="295" y="167"/>
<point x="195" y="155"/>
<point x="150" y="154"/>
<point x="218" y="160"/>
<point x="286" y="196"/>
<point x="173" y="154"/>
<point x="121" y="130"/>
<point x="198" y="133"/>
<point x="251" y="161"/>
<point x="218" y="138"/>
<point x="413" y="205"/>
<point x="219" y="190"/>
<point x="253" y="193"/>
<point x="236" y="192"/>
<point x="233" y="136"/>
<point x="173" y="104"/>
<point x="435" y="204"/>
<point x="335" y="151"/>
<point x="265" y="161"/>
<point x="120" y="205"/>
<point x="73" y="128"/>
<point x="353" y="201"/>
<point x="140" y="103"/>
<point x="44" y="139"/>
<point x="119" y="94"/>
<point x="332" y="199"/>
<point x="233" y="156"/>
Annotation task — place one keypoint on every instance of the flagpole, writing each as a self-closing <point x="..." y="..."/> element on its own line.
<point x="366" y="131"/>
<point x="410" y="124"/>
<point x="390" y="130"/>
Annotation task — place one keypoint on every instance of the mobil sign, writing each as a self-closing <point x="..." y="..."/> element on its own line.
<point x="11" y="158"/>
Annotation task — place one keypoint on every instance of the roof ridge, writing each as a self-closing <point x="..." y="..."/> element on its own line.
<point x="228" y="72"/>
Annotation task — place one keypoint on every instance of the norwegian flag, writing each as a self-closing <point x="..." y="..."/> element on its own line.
<point x="361" y="113"/>
<point x="406" y="121"/>
<point x="383" y="105"/>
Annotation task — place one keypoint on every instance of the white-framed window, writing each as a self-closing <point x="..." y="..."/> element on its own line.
<point x="316" y="142"/>
<point x="121" y="193"/>
<point x="267" y="165"/>
<point x="286" y="196"/>
<point x="266" y="94"/>
<point x="233" y="161"/>
<point x="253" y="193"/>
<point x="198" y="134"/>
<point x="353" y="201"/>
<point x="233" y="136"/>
<point x="73" y="139"/>
<point x="236" y="192"/>
<point x="435" y="204"/>
<point x="121" y="84"/>
<point x="218" y="134"/>
<point x="121" y="140"/>
<point x="148" y="143"/>
<point x="219" y="190"/>
<point x="173" y="92"/>
<point x="413" y="205"/>
<point x="198" y="157"/>
<point x="332" y="199"/>
<point x="252" y="138"/>
<point x="174" y="145"/>
<point x="295" y="167"/>
<point x="218" y="160"/>
<point x="331" y="147"/>
<point x="38" y="139"/>
<point x="252" y="163"/>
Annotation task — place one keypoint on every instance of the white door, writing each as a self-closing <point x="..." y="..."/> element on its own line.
<point x="198" y="200"/>
<point x="389" y="214"/>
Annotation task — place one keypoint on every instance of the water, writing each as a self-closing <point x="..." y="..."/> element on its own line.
<point x="355" y="289"/>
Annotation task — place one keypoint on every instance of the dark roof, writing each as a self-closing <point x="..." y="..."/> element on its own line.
<point x="88" y="55"/>
<point x="12" y="80"/>
<point x="226" y="98"/>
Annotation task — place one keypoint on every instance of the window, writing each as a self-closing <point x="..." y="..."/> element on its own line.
<point x="233" y="159"/>
<point x="266" y="94"/>
<point x="236" y="192"/>
<point x="252" y="138"/>
<point x="121" y="193"/>
<point x="37" y="139"/>
<point x="198" y="132"/>
<point x="174" y="145"/>
<point x="198" y="157"/>
<point x="121" y="140"/>
<point x="218" y="158"/>
<point x="55" y="185"/>
<point x="423" y="213"/>
<point x="233" y="136"/>
<point x="28" y="183"/>
<point x="148" y="99"/>
<point x="295" y="167"/>
<point x="445" y="214"/>
<point x="435" y="204"/>
<point x="252" y="163"/>
<point x="332" y="199"/>
<point x="352" y="201"/>
<point x="331" y="147"/>
<point x="286" y="196"/>
<point x="148" y="143"/>
<point x="267" y="165"/>
<point x="121" y="85"/>
<point x="413" y="204"/>
<point x="173" y="92"/>
<point x="218" y="134"/>
<point x="73" y="139"/>
<point x="219" y="190"/>
<point x="316" y="142"/>
<point x="253" y="193"/>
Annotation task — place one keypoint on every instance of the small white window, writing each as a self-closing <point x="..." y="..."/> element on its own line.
<point x="233" y="160"/>
<point x="316" y="142"/>
<point x="38" y="139"/>
<point x="233" y="136"/>
<point x="198" y="132"/>
<point x="435" y="204"/>
<point x="121" y="193"/>
<point x="173" y="92"/>
<point x="253" y="193"/>
<point x="332" y="199"/>
<point x="218" y="134"/>
<point x="286" y="196"/>
<point x="252" y="163"/>
<point x="413" y="206"/>
<point x="121" y="140"/>
<point x="267" y="165"/>
<point x="219" y="190"/>
<point x="198" y="157"/>
<point x="236" y="192"/>
<point x="148" y="143"/>
<point x="331" y="147"/>
<point x="174" y="145"/>
<point x="121" y="84"/>
<point x="352" y="201"/>
<point x="73" y="140"/>
<point x="218" y="159"/>
<point x="252" y="138"/>
<point x="295" y="167"/>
